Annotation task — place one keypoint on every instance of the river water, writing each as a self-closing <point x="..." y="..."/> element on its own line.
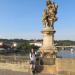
<point x="66" y="54"/>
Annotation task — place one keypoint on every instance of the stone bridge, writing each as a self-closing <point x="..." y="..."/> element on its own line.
<point x="63" y="66"/>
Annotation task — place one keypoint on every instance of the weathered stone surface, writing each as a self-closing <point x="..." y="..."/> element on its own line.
<point x="63" y="66"/>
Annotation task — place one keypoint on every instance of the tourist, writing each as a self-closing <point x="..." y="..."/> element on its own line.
<point x="32" y="56"/>
<point x="32" y="59"/>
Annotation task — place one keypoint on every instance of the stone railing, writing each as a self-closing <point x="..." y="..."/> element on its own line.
<point x="14" y="59"/>
<point x="15" y="63"/>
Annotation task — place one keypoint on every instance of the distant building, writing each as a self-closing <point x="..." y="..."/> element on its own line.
<point x="3" y="46"/>
<point x="7" y="45"/>
<point x="39" y="44"/>
<point x="14" y="44"/>
<point x="1" y="43"/>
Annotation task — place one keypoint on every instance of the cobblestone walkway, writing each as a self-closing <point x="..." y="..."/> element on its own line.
<point x="8" y="72"/>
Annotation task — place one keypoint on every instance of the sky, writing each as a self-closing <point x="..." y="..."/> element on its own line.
<point x="22" y="19"/>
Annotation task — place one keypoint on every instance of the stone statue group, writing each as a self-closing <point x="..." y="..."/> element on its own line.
<point x="49" y="14"/>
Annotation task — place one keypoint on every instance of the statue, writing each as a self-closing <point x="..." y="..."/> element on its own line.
<point x="49" y="14"/>
<point x="48" y="49"/>
<point x="45" y="18"/>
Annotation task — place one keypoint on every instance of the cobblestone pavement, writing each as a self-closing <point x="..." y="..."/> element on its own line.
<point x="9" y="72"/>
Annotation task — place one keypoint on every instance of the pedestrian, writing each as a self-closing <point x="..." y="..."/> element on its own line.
<point x="32" y="60"/>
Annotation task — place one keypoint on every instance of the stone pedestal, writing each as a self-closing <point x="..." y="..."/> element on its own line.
<point x="49" y="70"/>
<point x="48" y="51"/>
<point x="48" y="47"/>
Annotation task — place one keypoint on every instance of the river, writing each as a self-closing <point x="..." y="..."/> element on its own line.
<point x="66" y="54"/>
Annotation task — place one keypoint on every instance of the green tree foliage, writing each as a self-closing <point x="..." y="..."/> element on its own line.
<point x="64" y="43"/>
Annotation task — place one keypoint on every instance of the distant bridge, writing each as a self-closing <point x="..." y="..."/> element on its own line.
<point x="65" y="46"/>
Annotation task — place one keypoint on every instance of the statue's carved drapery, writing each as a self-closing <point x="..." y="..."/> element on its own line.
<point x="49" y="14"/>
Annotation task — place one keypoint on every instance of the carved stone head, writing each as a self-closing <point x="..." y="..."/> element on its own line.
<point x="48" y="2"/>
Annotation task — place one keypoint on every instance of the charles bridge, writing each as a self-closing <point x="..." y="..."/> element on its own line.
<point x="19" y="65"/>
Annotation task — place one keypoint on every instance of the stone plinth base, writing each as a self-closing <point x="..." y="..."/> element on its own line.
<point x="49" y="69"/>
<point x="49" y="61"/>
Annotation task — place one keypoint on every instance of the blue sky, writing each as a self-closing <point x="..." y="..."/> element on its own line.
<point x="22" y="19"/>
